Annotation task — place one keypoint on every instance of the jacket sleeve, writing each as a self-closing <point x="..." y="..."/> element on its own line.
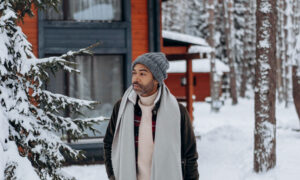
<point x="108" y="139"/>
<point x="189" y="153"/>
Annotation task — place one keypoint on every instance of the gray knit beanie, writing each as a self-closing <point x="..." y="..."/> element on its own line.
<point x="156" y="62"/>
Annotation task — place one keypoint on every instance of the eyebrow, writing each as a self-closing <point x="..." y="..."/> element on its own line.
<point x="145" y="70"/>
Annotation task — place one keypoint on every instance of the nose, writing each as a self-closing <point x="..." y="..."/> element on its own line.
<point x="135" y="78"/>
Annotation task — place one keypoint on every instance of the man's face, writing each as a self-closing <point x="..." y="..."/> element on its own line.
<point x="142" y="81"/>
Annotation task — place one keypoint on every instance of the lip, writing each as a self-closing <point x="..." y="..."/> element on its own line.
<point x="135" y="86"/>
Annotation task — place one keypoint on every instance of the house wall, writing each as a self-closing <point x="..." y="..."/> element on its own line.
<point x="139" y="27"/>
<point x="174" y="49"/>
<point x="201" y="89"/>
<point x="30" y="28"/>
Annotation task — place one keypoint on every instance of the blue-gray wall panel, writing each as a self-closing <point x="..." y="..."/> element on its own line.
<point x="76" y="38"/>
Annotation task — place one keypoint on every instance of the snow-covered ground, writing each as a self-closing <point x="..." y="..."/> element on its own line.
<point x="227" y="139"/>
<point x="226" y="145"/>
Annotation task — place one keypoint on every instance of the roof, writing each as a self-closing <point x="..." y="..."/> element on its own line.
<point x="199" y="66"/>
<point x="199" y="49"/>
<point x="174" y="38"/>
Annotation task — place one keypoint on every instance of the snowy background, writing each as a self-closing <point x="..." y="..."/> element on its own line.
<point x="225" y="145"/>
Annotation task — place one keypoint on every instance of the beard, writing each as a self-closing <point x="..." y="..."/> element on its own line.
<point x="143" y="89"/>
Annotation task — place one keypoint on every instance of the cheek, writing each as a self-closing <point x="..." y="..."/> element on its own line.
<point x="150" y="85"/>
<point x="134" y="78"/>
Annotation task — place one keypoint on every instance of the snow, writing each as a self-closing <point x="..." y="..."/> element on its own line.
<point x="227" y="139"/>
<point x="87" y="172"/>
<point x="265" y="7"/>
<point x="3" y="136"/>
<point x="200" y="49"/>
<point x="9" y="154"/>
<point x="199" y="65"/>
<point x="225" y="145"/>
<point x="184" y="38"/>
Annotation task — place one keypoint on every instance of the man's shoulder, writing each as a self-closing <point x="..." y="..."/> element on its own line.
<point x="117" y="104"/>
<point x="184" y="115"/>
<point x="182" y="108"/>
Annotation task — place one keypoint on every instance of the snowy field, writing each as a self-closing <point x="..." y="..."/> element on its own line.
<point x="226" y="145"/>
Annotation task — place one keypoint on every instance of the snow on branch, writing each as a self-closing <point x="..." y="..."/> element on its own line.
<point x="31" y="64"/>
<point x="62" y="101"/>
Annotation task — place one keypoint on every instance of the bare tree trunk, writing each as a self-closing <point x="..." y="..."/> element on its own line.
<point x="296" y="89"/>
<point x="245" y="61"/>
<point x="280" y="52"/>
<point x="228" y="10"/>
<point x="214" y="89"/>
<point x="265" y="87"/>
<point x="288" y="48"/>
<point x="252" y="62"/>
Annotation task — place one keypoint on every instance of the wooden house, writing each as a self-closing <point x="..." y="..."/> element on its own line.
<point x="179" y="43"/>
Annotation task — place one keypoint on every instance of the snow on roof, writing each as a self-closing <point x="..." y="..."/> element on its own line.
<point x="184" y="38"/>
<point x="199" y="65"/>
<point x="200" y="49"/>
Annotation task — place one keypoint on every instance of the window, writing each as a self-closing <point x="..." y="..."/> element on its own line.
<point x="100" y="79"/>
<point x="183" y="81"/>
<point x="87" y="10"/>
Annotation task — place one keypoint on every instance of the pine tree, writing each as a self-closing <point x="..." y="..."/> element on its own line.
<point x="174" y="14"/>
<point x="197" y="23"/>
<point x="185" y="16"/>
<point x="29" y="115"/>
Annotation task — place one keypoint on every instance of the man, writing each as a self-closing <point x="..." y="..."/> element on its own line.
<point x="149" y="135"/>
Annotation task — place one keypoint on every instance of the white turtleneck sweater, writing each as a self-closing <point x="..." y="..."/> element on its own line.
<point x="146" y="144"/>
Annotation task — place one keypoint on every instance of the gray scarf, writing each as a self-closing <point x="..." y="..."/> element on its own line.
<point x="166" y="158"/>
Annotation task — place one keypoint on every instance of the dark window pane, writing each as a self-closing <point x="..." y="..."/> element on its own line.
<point x="52" y="14"/>
<point x="87" y="10"/>
<point x="100" y="79"/>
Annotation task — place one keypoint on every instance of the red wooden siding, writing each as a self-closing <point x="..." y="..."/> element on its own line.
<point x="30" y="29"/>
<point x="174" y="49"/>
<point x="139" y="27"/>
<point x="201" y="90"/>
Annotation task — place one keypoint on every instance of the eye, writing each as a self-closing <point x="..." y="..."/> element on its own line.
<point x="143" y="74"/>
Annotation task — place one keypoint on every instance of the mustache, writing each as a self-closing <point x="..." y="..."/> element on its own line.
<point x="136" y="83"/>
